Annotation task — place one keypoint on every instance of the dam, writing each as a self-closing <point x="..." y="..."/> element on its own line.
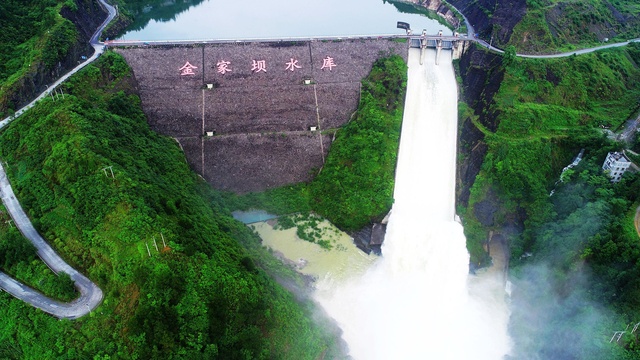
<point x="245" y="124"/>
<point x="256" y="114"/>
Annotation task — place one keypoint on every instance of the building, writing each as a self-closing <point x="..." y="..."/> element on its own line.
<point x="616" y="164"/>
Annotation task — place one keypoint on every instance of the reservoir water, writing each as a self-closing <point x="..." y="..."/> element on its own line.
<point x="217" y="19"/>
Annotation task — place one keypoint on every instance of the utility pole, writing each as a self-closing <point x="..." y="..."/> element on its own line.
<point x="163" y="243"/>
<point x="618" y="334"/>
<point x="111" y="169"/>
<point x="155" y="244"/>
<point x="149" y="252"/>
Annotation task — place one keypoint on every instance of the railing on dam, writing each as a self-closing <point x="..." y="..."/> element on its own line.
<point x="413" y="40"/>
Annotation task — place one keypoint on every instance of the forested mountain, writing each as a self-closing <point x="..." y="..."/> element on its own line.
<point x="41" y="40"/>
<point x="542" y="26"/>
<point x="574" y="252"/>
<point x="200" y="294"/>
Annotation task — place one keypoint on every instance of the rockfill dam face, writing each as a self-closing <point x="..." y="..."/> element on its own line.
<point x="254" y="115"/>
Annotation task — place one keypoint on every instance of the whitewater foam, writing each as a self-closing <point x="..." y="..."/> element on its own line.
<point x="419" y="302"/>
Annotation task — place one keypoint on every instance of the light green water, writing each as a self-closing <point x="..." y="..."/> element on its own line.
<point x="344" y="260"/>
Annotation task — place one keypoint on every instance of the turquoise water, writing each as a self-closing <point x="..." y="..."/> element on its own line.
<point x="216" y="19"/>
<point x="252" y="216"/>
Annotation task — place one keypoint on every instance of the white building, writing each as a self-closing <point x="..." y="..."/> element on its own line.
<point x="616" y="164"/>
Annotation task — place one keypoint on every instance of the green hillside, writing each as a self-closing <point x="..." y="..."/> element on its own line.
<point x="575" y="254"/>
<point x="35" y="38"/>
<point x="557" y="25"/>
<point x="204" y="295"/>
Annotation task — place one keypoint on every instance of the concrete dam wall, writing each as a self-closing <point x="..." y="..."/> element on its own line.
<point x="254" y="115"/>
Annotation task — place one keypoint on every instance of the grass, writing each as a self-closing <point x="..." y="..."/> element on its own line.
<point x="547" y="110"/>
<point x="560" y="26"/>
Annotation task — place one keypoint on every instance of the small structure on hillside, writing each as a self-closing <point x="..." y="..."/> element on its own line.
<point x="616" y="164"/>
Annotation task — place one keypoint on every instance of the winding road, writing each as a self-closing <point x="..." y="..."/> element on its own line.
<point x="471" y="32"/>
<point x="90" y="294"/>
<point x="98" y="48"/>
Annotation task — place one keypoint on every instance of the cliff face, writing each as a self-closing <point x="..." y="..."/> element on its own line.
<point x="88" y="16"/>
<point x="492" y="18"/>
<point x="481" y="73"/>
<point x="440" y="8"/>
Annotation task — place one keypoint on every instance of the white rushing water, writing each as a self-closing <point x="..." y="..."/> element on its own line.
<point x="418" y="302"/>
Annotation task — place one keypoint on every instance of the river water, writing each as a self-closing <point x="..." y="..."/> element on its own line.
<point x="419" y="302"/>
<point x="217" y="19"/>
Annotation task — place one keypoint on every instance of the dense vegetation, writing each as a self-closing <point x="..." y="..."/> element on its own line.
<point x="203" y="295"/>
<point x="355" y="186"/>
<point x="573" y="254"/>
<point x="18" y="258"/>
<point x="548" y="110"/>
<point x="580" y="277"/>
<point x="34" y="34"/>
<point x="564" y="25"/>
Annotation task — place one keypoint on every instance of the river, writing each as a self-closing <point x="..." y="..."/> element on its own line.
<point x="419" y="302"/>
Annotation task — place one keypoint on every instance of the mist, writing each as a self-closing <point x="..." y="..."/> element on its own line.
<point x="560" y="307"/>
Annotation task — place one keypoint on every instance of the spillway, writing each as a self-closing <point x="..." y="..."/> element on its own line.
<point x="419" y="302"/>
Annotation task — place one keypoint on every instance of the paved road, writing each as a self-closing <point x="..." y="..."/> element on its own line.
<point x="471" y="33"/>
<point x="579" y="52"/>
<point x="90" y="294"/>
<point x="98" y="50"/>
<point x="121" y="43"/>
<point x="630" y="129"/>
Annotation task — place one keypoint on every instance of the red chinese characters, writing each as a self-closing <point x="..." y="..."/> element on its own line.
<point x="258" y="66"/>
<point x="222" y="67"/>
<point x="292" y="65"/>
<point x="187" y="69"/>
<point x="328" y="63"/>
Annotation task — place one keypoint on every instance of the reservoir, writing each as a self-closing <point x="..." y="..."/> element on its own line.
<point x="217" y="19"/>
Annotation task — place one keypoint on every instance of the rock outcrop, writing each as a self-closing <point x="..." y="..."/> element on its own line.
<point x="440" y="8"/>
<point x="481" y="73"/>
<point x="88" y="16"/>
